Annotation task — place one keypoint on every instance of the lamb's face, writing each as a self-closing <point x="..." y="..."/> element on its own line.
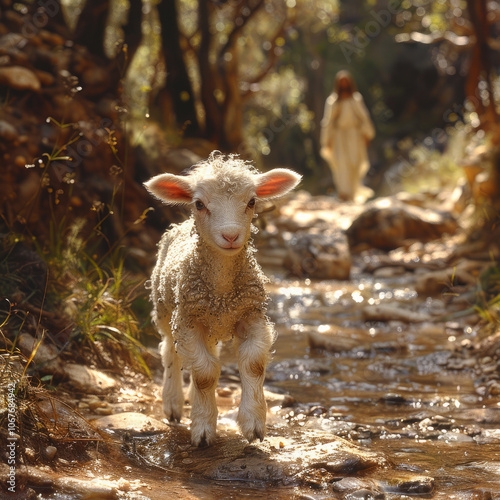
<point x="222" y="193"/>
<point x="224" y="215"/>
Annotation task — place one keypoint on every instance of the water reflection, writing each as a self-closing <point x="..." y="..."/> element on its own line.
<point x="386" y="386"/>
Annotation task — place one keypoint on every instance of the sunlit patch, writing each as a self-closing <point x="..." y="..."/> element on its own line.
<point x="357" y="297"/>
<point x="227" y="420"/>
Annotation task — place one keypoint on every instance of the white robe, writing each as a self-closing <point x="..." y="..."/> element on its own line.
<point x="346" y="129"/>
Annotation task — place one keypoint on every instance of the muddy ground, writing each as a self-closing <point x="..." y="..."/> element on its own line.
<point x="375" y="390"/>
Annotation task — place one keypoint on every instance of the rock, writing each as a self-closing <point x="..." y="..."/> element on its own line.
<point x="50" y="452"/>
<point x="332" y="341"/>
<point x="131" y="422"/>
<point x="389" y="272"/>
<point x="488" y="436"/>
<point x="8" y="132"/>
<point x="316" y="463"/>
<point x="433" y="282"/>
<point x="46" y="357"/>
<point x="47" y="360"/>
<point x="386" y="312"/>
<point x="319" y="255"/>
<point x="88" y="379"/>
<point x="46" y="79"/>
<point x="19" y="78"/>
<point x="407" y="483"/>
<point x="387" y="223"/>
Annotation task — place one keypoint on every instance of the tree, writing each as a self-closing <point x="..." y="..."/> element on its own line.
<point x="466" y="27"/>
<point x="176" y="100"/>
<point x="212" y="36"/>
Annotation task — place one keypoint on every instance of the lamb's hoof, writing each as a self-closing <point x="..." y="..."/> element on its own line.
<point x="172" y="414"/>
<point x="202" y="437"/>
<point x="253" y="432"/>
<point x="256" y="434"/>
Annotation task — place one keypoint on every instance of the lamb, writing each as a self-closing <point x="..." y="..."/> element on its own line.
<point x="207" y="288"/>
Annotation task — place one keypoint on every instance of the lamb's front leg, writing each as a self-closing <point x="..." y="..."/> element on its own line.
<point x="255" y="338"/>
<point x="203" y="362"/>
<point x="172" y="394"/>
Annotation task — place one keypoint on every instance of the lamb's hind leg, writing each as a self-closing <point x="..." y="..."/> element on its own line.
<point x="255" y="339"/>
<point x="172" y="395"/>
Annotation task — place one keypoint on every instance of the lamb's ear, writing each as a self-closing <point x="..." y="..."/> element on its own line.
<point x="170" y="188"/>
<point x="276" y="183"/>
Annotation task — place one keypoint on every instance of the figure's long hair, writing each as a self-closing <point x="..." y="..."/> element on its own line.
<point x="339" y="76"/>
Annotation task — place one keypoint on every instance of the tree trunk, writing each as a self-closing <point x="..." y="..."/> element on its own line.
<point x="213" y="122"/>
<point x="481" y="63"/>
<point x="133" y="29"/>
<point x="176" y="99"/>
<point x="232" y="113"/>
<point x="91" y="26"/>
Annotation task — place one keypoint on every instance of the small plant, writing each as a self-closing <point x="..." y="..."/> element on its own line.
<point x="488" y="295"/>
<point x="81" y="279"/>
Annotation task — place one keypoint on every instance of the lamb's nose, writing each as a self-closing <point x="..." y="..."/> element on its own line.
<point x="231" y="238"/>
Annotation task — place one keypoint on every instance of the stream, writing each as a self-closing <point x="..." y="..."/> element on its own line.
<point x="368" y="395"/>
<point x="374" y="413"/>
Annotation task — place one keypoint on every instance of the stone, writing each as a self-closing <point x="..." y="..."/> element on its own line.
<point x="88" y="379"/>
<point x="387" y="312"/>
<point x="442" y="280"/>
<point x="332" y="342"/>
<point x="8" y="132"/>
<point x="81" y="377"/>
<point x="387" y="224"/>
<point x="323" y="255"/>
<point x="19" y="78"/>
<point x="50" y="452"/>
<point x="131" y="422"/>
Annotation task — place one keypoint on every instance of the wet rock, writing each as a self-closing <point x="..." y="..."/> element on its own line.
<point x="131" y="422"/>
<point x="389" y="272"/>
<point x="312" y="457"/>
<point x="19" y="78"/>
<point x="386" y="312"/>
<point x="387" y="223"/>
<point x="408" y="484"/>
<point x="464" y="273"/>
<point x="319" y="255"/>
<point x="353" y="485"/>
<point x="365" y="494"/>
<point x="331" y="341"/>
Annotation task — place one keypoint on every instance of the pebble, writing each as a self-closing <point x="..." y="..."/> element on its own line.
<point x="50" y="452"/>
<point x="7" y="131"/>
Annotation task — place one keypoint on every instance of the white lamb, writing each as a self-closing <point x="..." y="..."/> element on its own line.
<point x="207" y="287"/>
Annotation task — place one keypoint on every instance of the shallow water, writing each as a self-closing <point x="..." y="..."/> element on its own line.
<point x="384" y="388"/>
<point x="391" y="393"/>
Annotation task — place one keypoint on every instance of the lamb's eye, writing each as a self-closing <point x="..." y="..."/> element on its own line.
<point x="199" y="205"/>
<point x="251" y="203"/>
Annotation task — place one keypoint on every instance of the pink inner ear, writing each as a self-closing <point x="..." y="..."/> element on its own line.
<point x="273" y="186"/>
<point x="173" y="191"/>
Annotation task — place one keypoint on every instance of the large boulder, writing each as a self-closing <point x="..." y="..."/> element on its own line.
<point x="388" y="223"/>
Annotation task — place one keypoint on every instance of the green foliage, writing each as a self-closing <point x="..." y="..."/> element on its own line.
<point x="77" y="273"/>
<point x="488" y="295"/>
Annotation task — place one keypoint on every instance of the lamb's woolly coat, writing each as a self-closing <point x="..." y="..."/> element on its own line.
<point x="182" y="286"/>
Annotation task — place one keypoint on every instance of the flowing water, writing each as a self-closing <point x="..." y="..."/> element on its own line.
<point x="382" y="386"/>
<point x="390" y="393"/>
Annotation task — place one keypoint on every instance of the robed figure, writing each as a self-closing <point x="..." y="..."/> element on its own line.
<point x="346" y="131"/>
